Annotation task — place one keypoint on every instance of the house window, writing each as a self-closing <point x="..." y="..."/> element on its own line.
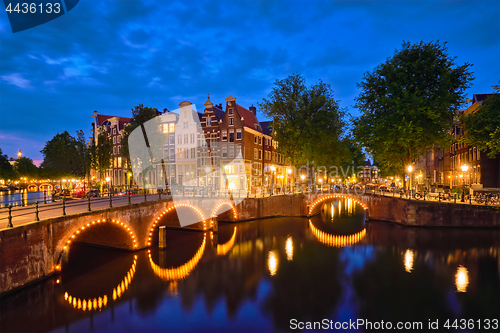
<point x="231" y="121"/>
<point x="255" y="139"/>
<point x="114" y="150"/>
<point x="193" y="153"/>
<point x="172" y="139"/>
<point x="231" y="111"/>
<point x="179" y="152"/>
<point x="179" y="139"/>
<point x="255" y="152"/>
<point x="119" y="139"/>
<point x="172" y="153"/>
<point x="209" y="121"/>
<point x="224" y="135"/>
<point x="114" y="139"/>
<point x="171" y="127"/>
<point x="231" y="152"/>
<point x="224" y="151"/>
<point x="260" y="154"/>
<point x="191" y="138"/>
<point x="165" y="128"/>
<point x="231" y="136"/>
<point x="238" y="134"/>
<point x="185" y="138"/>
<point x="185" y="124"/>
<point x="114" y="130"/>
<point x="119" y="162"/>
<point x="118" y="149"/>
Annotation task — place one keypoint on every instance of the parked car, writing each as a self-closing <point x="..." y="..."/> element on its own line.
<point x="93" y="194"/>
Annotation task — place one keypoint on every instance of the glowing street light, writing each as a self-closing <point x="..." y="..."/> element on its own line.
<point x="410" y="169"/>
<point x="464" y="168"/>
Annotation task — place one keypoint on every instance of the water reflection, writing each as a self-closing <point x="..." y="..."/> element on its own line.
<point x="462" y="279"/>
<point x="256" y="276"/>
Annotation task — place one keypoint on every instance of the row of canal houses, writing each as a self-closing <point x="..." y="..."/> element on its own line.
<point x="198" y="149"/>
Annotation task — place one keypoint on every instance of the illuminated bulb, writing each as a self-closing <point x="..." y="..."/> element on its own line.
<point x="462" y="279"/>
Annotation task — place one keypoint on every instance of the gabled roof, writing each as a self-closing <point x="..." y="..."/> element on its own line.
<point x="267" y="127"/>
<point x="101" y="118"/>
<point x="249" y="120"/>
<point x="478" y="98"/>
<point x="219" y="113"/>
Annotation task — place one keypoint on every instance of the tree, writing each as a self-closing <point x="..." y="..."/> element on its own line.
<point x="308" y="123"/>
<point x="25" y="168"/>
<point x="482" y="128"/>
<point x="82" y="162"/>
<point x="6" y="169"/>
<point x="61" y="156"/>
<point x="100" y="154"/>
<point x="140" y="114"/>
<point x="408" y="103"/>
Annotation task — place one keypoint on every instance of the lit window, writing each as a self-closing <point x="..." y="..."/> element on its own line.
<point x="171" y="127"/>
<point x="165" y="128"/>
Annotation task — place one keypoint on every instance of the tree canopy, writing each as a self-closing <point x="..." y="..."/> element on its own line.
<point x="25" y="167"/>
<point x="308" y="122"/>
<point x="482" y="128"/>
<point x="100" y="153"/>
<point x="7" y="171"/>
<point x="140" y="114"/>
<point x="61" y="157"/>
<point x="408" y="103"/>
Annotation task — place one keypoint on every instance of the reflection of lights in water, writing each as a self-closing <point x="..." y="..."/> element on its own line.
<point x="322" y="199"/>
<point x="340" y="207"/>
<point x="333" y="212"/>
<point x="220" y="205"/>
<point x="272" y="263"/>
<point x="462" y="279"/>
<point x="409" y="260"/>
<point x="180" y="272"/>
<point x="336" y="240"/>
<point x="226" y="247"/>
<point x="172" y="287"/>
<point x="102" y="301"/>
<point x="289" y="248"/>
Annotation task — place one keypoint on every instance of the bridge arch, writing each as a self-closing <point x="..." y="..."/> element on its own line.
<point x="32" y="186"/>
<point x="71" y="236"/>
<point x="97" y="303"/>
<point x="322" y="199"/>
<point x="180" y="272"/>
<point x="169" y="209"/>
<point x="336" y="240"/>
<point x="214" y="212"/>
<point x="49" y="187"/>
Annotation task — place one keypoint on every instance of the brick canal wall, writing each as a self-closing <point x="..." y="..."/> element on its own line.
<point x="32" y="251"/>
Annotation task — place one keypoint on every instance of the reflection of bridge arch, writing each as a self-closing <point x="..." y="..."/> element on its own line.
<point x="336" y="240"/>
<point x="67" y="243"/>
<point x="333" y="196"/>
<point x="214" y="212"/>
<point x="222" y="249"/>
<point x="50" y="187"/>
<point x="102" y="301"/>
<point x="171" y="209"/>
<point x="179" y="273"/>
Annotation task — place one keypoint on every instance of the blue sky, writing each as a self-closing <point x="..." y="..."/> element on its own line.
<point x="112" y="55"/>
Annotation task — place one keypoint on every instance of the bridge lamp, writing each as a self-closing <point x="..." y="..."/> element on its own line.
<point x="302" y="177"/>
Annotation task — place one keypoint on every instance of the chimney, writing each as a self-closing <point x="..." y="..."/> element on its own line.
<point x="253" y="109"/>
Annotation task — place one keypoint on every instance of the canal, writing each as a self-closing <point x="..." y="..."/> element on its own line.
<point x="261" y="275"/>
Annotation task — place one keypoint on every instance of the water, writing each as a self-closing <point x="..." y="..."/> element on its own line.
<point x="257" y="276"/>
<point x="19" y="198"/>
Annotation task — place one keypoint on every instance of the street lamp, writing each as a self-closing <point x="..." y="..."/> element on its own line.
<point x="289" y="181"/>
<point x="107" y="181"/>
<point x="273" y="169"/>
<point x="464" y="168"/>
<point x="410" y="169"/>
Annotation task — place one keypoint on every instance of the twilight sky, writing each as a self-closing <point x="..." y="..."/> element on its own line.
<point x="110" y="55"/>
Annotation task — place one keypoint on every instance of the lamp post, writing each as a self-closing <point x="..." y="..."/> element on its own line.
<point x="107" y="181"/>
<point x="410" y="169"/>
<point x="464" y="168"/>
<point x="273" y="169"/>
<point x="289" y="171"/>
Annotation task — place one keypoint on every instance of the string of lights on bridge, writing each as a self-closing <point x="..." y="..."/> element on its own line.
<point x="334" y="196"/>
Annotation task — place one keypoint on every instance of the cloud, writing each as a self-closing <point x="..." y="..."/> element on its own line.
<point x="17" y="80"/>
